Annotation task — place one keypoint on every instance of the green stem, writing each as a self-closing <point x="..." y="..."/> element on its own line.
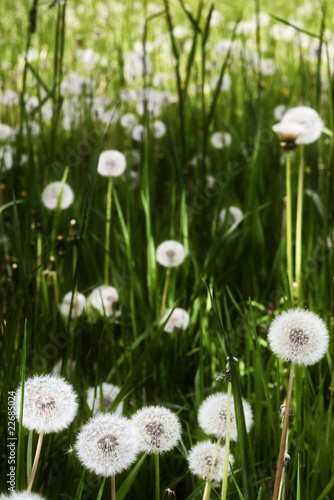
<point x="35" y="464"/>
<point x="157" y="476"/>
<point x="289" y="222"/>
<point x="280" y="462"/>
<point x="58" y="211"/>
<point x="227" y="440"/>
<point x="207" y="490"/>
<point x="107" y="242"/>
<point x="164" y="295"/>
<point x="299" y="222"/>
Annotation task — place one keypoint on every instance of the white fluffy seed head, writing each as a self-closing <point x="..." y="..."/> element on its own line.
<point x="103" y="298"/>
<point x="298" y="336"/>
<point x="201" y="458"/>
<point x="128" y="121"/>
<point x="50" y="403"/>
<point x="235" y="215"/>
<point x="179" y="320"/>
<point x="159" y="129"/>
<point x="52" y="192"/>
<point x="107" y="444"/>
<point x="309" y="119"/>
<point x="159" y="429"/>
<point x="138" y="133"/>
<point x="170" y="253"/>
<point x="111" y="163"/>
<point x="6" y="132"/>
<point x="78" y="306"/>
<point x="109" y="393"/>
<point x="288" y="131"/>
<point x="21" y="495"/>
<point x="212" y="416"/>
<point x="225" y="85"/>
<point x="219" y="140"/>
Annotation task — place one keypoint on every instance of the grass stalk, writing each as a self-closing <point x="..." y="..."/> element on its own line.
<point x="164" y="294"/>
<point x="299" y="222"/>
<point x="107" y="241"/>
<point x="35" y="464"/>
<point x="289" y="223"/>
<point x="280" y="463"/>
<point x="227" y="440"/>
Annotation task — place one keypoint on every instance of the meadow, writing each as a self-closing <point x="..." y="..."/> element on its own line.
<point x="187" y="94"/>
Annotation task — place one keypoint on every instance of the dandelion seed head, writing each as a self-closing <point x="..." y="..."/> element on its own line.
<point x="219" y="140"/>
<point x="50" y="403"/>
<point x="128" y="121"/>
<point x="309" y="119"/>
<point x="235" y="215"/>
<point x="159" y="429"/>
<point x="179" y="320"/>
<point x="109" y="393"/>
<point x="288" y="131"/>
<point x="212" y="416"/>
<point x="78" y="306"/>
<point x="107" y="444"/>
<point x="138" y="133"/>
<point x="225" y="85"/>
<point x="103" y="299"/>
<point x="52" y="192"/>
<point x="21" y="495"/>
<point x="111" y="163"/>
<point x="170" y="253"/>
<point x="159" y="129"/>
<point x="298" y="336"/>
<point x="6" y="132"/>
<point x="201" y="457"/>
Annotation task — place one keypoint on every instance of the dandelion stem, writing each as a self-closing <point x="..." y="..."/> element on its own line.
<point x="227" y="440"/>
<point x="289" y="222"/>
<point x="107" y="242"/>
<point x="299" y="221"/>
<point x="164" y="295"/>
<point x="207" y="490"/>
<point x="35" y="464"/>
<point x="157" y="476"/>
<point x="280" y="462"/>
<point x="113" y="488"/>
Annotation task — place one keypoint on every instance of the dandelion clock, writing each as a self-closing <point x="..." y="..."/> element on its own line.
<point x="49" y="405"/>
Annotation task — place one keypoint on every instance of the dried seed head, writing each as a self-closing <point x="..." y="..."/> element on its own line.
<point x="212" y="416"/>
<point x="109" y="393"/>
<point x="155" y="430"/>
<point x="107" y="443"/>
<point x="170" y="253"/>
<point x="298" y="336"/>
<point x="159" y="429"/>
<point x="53" y="192"/>
<point x="112" y="163"/>
<point x="201" y="458"/>
<point x="49" y="405"/>
<point x="45" y="403"/>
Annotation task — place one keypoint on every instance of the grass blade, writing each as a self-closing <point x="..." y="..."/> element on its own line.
<point x="126" y="485"/>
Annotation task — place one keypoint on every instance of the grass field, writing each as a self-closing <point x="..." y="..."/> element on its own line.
<point x="188" y="93"/>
